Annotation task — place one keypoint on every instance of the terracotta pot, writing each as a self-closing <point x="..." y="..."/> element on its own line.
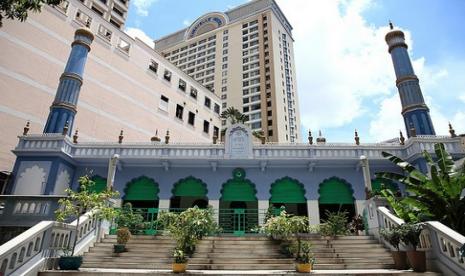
<point x="179" y="268"/>
<point x="400" y="259"/>
<point x="417" y="260"/>
<point x="303" y="268"/>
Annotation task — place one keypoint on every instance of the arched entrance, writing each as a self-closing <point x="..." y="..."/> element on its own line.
<point x="189" y="192"/>
<point x="335" y="195"/>
<point x="100" y="184"/>
<point x="290" y="194"/>
<point x="141" y="192"/>
<point x="238" y="205"/>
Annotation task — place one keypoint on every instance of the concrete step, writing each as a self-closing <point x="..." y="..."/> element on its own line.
<point x="126" y="259"/>
<point x="237" y="256"/>
<point x="139" y="241"/>
<point x="143" y="237"/>
<point x="349" y="255"/>
<point x="219" y="266"/>
<point x="138" y="245"/>
<point x="323" y="266"/>
<point x="127" y="265"/>
<point x="241" y="261"/>
<point x="129" y="254"/>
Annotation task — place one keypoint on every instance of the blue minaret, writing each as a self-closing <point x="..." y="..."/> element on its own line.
<point x="63" y="108"/>
<point x="416" y="113"/>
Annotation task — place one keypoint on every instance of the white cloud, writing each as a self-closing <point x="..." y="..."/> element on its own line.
<point x="142" y="6"/>
<point x="186" y="22"/>
<point x="135" y="32"/>
<point x="462" y="97"/>
<point x="344" y="71"/>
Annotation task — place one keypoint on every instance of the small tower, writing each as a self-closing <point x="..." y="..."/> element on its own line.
<point x="320" y="140"/>
<point x="356" y="138"/>
<point x="310" y="137"/>
<point x="63" y="108"/>
<point x="452" y="131"/>
<point x="414" y="108"/>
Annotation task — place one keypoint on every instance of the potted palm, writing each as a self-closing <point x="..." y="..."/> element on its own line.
<point x="179" y="261"/>
<point x="122" y="237"/>
<point x="74" y="206"/>
<point x="410" y="235"/>
<point x="393" y="237"/>
<point x="305" y="259"/>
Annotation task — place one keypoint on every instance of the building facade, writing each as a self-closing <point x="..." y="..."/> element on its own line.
<point x="245" y="56"/>
<point x="126" y="84"/>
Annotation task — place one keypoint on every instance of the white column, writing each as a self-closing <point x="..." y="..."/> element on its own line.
<point x="366" y="172"/>
<point x="359" y="206"/>
<point x="164" y="204"/>
<point x="215" y="204"/>
<point x="313" y="212"/>
<point x="262" y="209"/>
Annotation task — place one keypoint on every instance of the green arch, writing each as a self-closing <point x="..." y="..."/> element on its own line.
<point x="377" y="183"/>
<point x="238" y="188"/>
<point x="335" y="191"/>
<point x="100" y="184"/>
<point x="287" y="190"/>
<point x="190" y="186"/>
<point x="141" y="188"/>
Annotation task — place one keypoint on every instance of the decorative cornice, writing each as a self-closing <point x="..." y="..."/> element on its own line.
<point x="413" y="107"/>
<point x="69" y="75"/>
<point x="68" y="106"/>
<point x="406" y="78"/>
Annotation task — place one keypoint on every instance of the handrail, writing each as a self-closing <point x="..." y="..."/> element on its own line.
<point x="46" y="239"/>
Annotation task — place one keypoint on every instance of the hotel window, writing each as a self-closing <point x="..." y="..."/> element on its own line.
<point x="163" y="103"/>
<point x="224" y="105"/>
<point x="193" y="93"/>
<point x="191" y="118"/>
<point x="206" y="126"/>
<point x="182" y="85"/>
<point x="256" y="125"/>
<point x="208" y="102"/>
<point x="167" y="75"/>
<point x="83" y="18"/>
<point x="270" y="132"/>
<point x="179" y="111"/>
<point x="97" y="10"/>
<point x="153" y="66"/>
<point x="124" y="45"/>
<point x="117" y="11"/>
<point x="217" y="108"/>
<point x="63" y="6"/>
<point x="225" y="51"/>
<point x="103" y="31"/>
<point x="223" y="89"/>
<point x="225" y="31"/>
<point x="245" y="109"/>
<point x="216" y="131"/>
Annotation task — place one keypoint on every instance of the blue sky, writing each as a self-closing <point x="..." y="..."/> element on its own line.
<point x="344" y="74"/>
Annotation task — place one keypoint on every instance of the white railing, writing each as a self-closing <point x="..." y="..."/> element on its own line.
<point x="441" y="242"/>
<point x="28" y="251"/>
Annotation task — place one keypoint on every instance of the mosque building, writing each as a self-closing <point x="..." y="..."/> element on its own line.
<point x="240" y="178"/>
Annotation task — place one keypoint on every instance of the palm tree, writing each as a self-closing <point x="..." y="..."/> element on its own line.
<point x="435" y="197"/>
<point x="234" y="115"/>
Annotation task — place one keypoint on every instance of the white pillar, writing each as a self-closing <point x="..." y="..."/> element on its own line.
<point x="164" y="204"/>
<point x="366" y="172"/>
<point x="215" y="204"/>
<point x="313" y="212"/>
<point x="262" y="209"/>
<point x="359" y="206"/>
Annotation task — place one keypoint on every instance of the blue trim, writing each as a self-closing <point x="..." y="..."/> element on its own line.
<point x="421" y="120"/>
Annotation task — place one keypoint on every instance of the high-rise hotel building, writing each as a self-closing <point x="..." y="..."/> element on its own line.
<point x="246" y="57"/>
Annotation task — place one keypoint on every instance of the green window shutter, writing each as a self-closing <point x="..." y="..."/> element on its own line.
<point x="238" y="188"/>
<point x="388" y="184"/>
<point x="335" y="191"/>
<point x="190" y="186"/>
<point x="142" y="188"/>
<point x="287" y="190"/>
<point x="100" y="184"/>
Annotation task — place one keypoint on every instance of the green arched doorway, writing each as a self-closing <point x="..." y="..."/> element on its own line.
<point x="379" y="184"/>
<point x="100" y="184"/>
<point x="141" y="192"/>
<point x="335" y="195"/>
<point x="238" y="204"/>
<point x="189" y="192"/>
<point x="290" y="194"/>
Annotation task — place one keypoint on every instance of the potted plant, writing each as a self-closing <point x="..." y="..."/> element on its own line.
<point x="357" y="225"/>
<point x="411" y="236"/>
<point x="179" y="261"/>
<point x="305" y="259"/>
<point x="122" y="237"/>
<point x="336" y="224"/>
<point x="74" y="206"/>
<point x="393" y="237"/>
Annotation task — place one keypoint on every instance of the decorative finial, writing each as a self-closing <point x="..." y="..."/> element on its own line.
<point x="155" y="138"/>
<point x="120" y="137"/>
<point x="167" y="137"/>
<point x="401" y="138"/>
<point x="65" y="128"/>
<point x="452" y="131"/>
<point x="391" y="26"/>
<point x="357" y="139"/>
<point x="320" y="140"/>
<point x="75" y="137"/>
<point x="310" y="137"/>
<point x="26" y="128"/>
<point x="413" y="131"/>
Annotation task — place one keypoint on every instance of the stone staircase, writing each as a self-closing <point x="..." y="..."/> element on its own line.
<point x="143" y="252"/>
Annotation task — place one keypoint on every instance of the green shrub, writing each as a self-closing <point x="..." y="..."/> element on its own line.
<point x="123" y="235"/>
<point x="410" y="234"/>
<point x="392" y="236"/>
<point x="179" y="256"/>
<point x="129" y="218"/>
<point x="335" y="224"/>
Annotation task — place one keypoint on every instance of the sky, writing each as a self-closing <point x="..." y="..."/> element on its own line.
<point x="345" y="77"/>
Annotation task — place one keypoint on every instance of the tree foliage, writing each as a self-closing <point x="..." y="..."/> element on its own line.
<point x="18" y="9"/>
<point x="234" y="116"/>
<point x="431" y="197"/>
<point x="85" y="200"/>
